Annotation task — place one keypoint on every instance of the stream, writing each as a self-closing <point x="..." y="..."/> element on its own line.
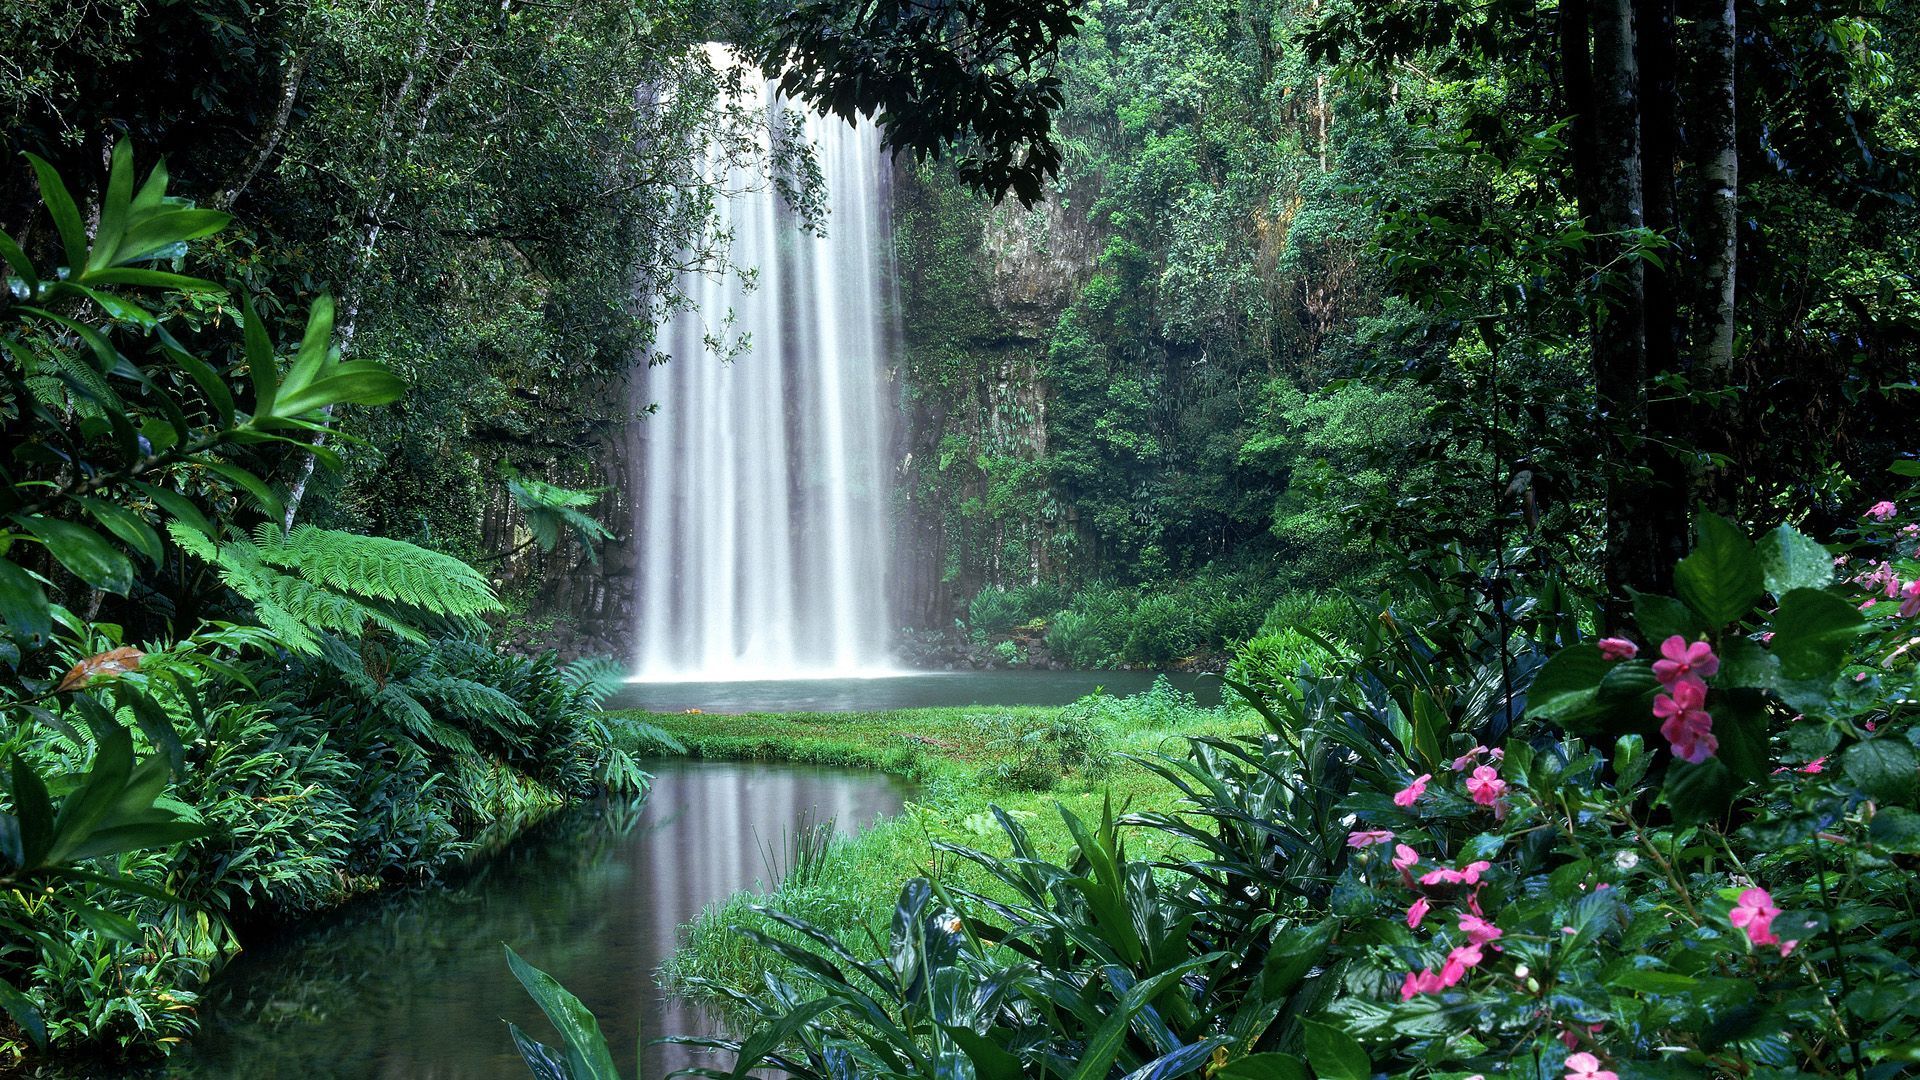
<point x="416" y="985"/>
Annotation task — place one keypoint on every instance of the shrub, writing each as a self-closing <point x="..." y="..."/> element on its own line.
<point x="1160" y="630"/>
<point x="1089" y="634"/>
<point x="1273" y="660"/>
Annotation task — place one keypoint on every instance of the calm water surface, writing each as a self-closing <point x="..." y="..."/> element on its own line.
<point x="417" y="986"/>
<point x="906" y="691"/>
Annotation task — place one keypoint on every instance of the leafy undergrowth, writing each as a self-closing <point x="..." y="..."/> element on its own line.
<point x="965" y="761"/>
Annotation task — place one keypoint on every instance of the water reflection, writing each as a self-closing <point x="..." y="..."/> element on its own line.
<point x="417" y="986"/>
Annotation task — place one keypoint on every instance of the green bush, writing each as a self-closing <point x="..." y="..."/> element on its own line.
<point x="1273" y="660"/>
<point x="1161" y="628"/>
<point x="1089" y="634"/>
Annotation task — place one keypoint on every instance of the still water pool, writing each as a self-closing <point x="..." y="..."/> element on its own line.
<point x="909" y="690"/>
<point x="416" y="986"/>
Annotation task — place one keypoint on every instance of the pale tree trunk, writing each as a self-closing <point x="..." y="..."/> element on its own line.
<point x="270" y="139"/>
<point x="1710" y="135"/>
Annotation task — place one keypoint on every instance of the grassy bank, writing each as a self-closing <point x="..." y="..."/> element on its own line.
<point x="965" y="761"/>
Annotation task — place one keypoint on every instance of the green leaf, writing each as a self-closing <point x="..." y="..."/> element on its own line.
<point x="82" y="551"/>
<point x="23" y="604"/>
<point x="113" y="208"/>
<point x="1293" y="953"/>
<point x="1335" y="1055"/>
<point x="16" y="258"/>
<point x="1698" y="793"/>
<point x="157" y="279"/>
<point x="1812" y="632"/>
<point x="1789" y="560"/>
<point x="587" y="1055"/>
<point x="158" y="233"/>
<point x="260" y="364"/>
<point x="1661" y="617"/>
<point x="1744" y="663"/>
<point x="1884" y="769"/>
<point x="20" y="1007"/>
<point x="1740" y="723"/>
<point x="66" y="216"/>
<point x="1895" y="829"/>
<point x="1263" y="1067"/>
<point x="179" y="506"/>
<point x="33" y="811"/>
<point x="126" y="525"/>
<point x="1721" y="579"/>
<point x="1569" y="682"/>
<point x="990" y="1061"/>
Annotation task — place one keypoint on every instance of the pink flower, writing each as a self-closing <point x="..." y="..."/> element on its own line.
<point x="1406" y="795"/>
<point x="1882" y="510"/>
<point x="1478" y="930"/>
<point x="1584" y="1066"/>
<point x="1910" y="606"/>
<point x="1618" y="648"/>
<point x="1485" y="785"/>
<point x="1422" y="982"/>
<point x="1446" y="875"/>
<point x="1363" y="838"/>
<point x="1461" y="960"/>
<point x="1684" y="724"/>
<point x="1817" y="765"/>
<point x="1468" y="758"/>
<point x="1417" y="912"/>
<point x="1683" y="661"/>
<point x="1754" y="912"/>
<point x="1404" y="857"/>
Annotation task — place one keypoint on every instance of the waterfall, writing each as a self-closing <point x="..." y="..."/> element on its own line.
<point x="761" y="509"/>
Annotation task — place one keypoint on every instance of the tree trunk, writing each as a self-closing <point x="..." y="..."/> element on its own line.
<point x="1710" y="139"/>
<point x="1620" y="322"/>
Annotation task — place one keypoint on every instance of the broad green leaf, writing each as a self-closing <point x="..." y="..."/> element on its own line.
<point x="1569" y="682"/>
<point x="1895" y="828"/>
<point x="260" y="364"/>
<point x="162" y="231"/>
<point x="23" y="604"/>
<point x="20" y="1007"/>
<point x="114" y="208"/>
<point x="16" y="258"/>
<point x="1721" y="579"/>
<point x="126" y="525"/>
<point x="66" y="216"/>
<point x="179" y="506"/>
<point x="1661" y="617"/>
<point x="33" y="813"/>
<point x="1812" y="632"/>
<point x="1740" y="723"/>
<point x="157" y="279"/>
<point x="1334" y="1054"/>
<point x="1884" y="768"/>
<point x="1700" y="792"/>
<point x="587" y="1054"/>
<point x="83" y="552"/>
<point x="1789" y="560"/>
<point x="1263" y="1067"/>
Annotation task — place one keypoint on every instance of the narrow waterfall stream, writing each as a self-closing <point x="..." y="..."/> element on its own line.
<point x="761" y="509"/>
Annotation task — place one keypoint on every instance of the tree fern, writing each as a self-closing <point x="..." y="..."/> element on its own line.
<point x="594" y="679"/>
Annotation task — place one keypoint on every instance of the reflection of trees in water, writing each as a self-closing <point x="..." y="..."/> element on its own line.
<point x="418" y="956"/>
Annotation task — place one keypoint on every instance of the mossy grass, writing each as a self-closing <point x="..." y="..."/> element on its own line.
<point x="964" y="762"/>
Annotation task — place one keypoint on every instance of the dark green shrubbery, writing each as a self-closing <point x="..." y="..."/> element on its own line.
<point x="313" y="713"/>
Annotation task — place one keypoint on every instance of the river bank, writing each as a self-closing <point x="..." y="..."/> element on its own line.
<point x="1027" y="761"/>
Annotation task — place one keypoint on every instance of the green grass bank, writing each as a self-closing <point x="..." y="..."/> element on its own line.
<point x="1025" y="760"/>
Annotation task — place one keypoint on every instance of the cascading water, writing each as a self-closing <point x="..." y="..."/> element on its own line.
<point x="761" y="514"/>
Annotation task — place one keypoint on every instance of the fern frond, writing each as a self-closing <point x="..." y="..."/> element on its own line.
<point x="594" y="679"/>
<point x="379" y="567"/>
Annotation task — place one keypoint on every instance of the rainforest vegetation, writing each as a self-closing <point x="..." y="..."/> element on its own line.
<point x="1515" y="403"/>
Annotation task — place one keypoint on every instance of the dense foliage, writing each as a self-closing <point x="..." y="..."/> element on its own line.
<point x="1323" y="291"/>
<point x="1444" y="856"/>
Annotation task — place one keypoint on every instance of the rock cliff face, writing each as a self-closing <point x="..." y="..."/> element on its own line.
<point x="981" y="288"/>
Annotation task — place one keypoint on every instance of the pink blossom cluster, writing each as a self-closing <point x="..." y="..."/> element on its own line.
<point x="1882" y="578"/>
<point x="1754" y="912"/>
<point x="1683" y="669"/>
<point x="1480" y="933"/>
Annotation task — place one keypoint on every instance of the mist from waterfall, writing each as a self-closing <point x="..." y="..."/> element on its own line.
<point x="761" y="508"/>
